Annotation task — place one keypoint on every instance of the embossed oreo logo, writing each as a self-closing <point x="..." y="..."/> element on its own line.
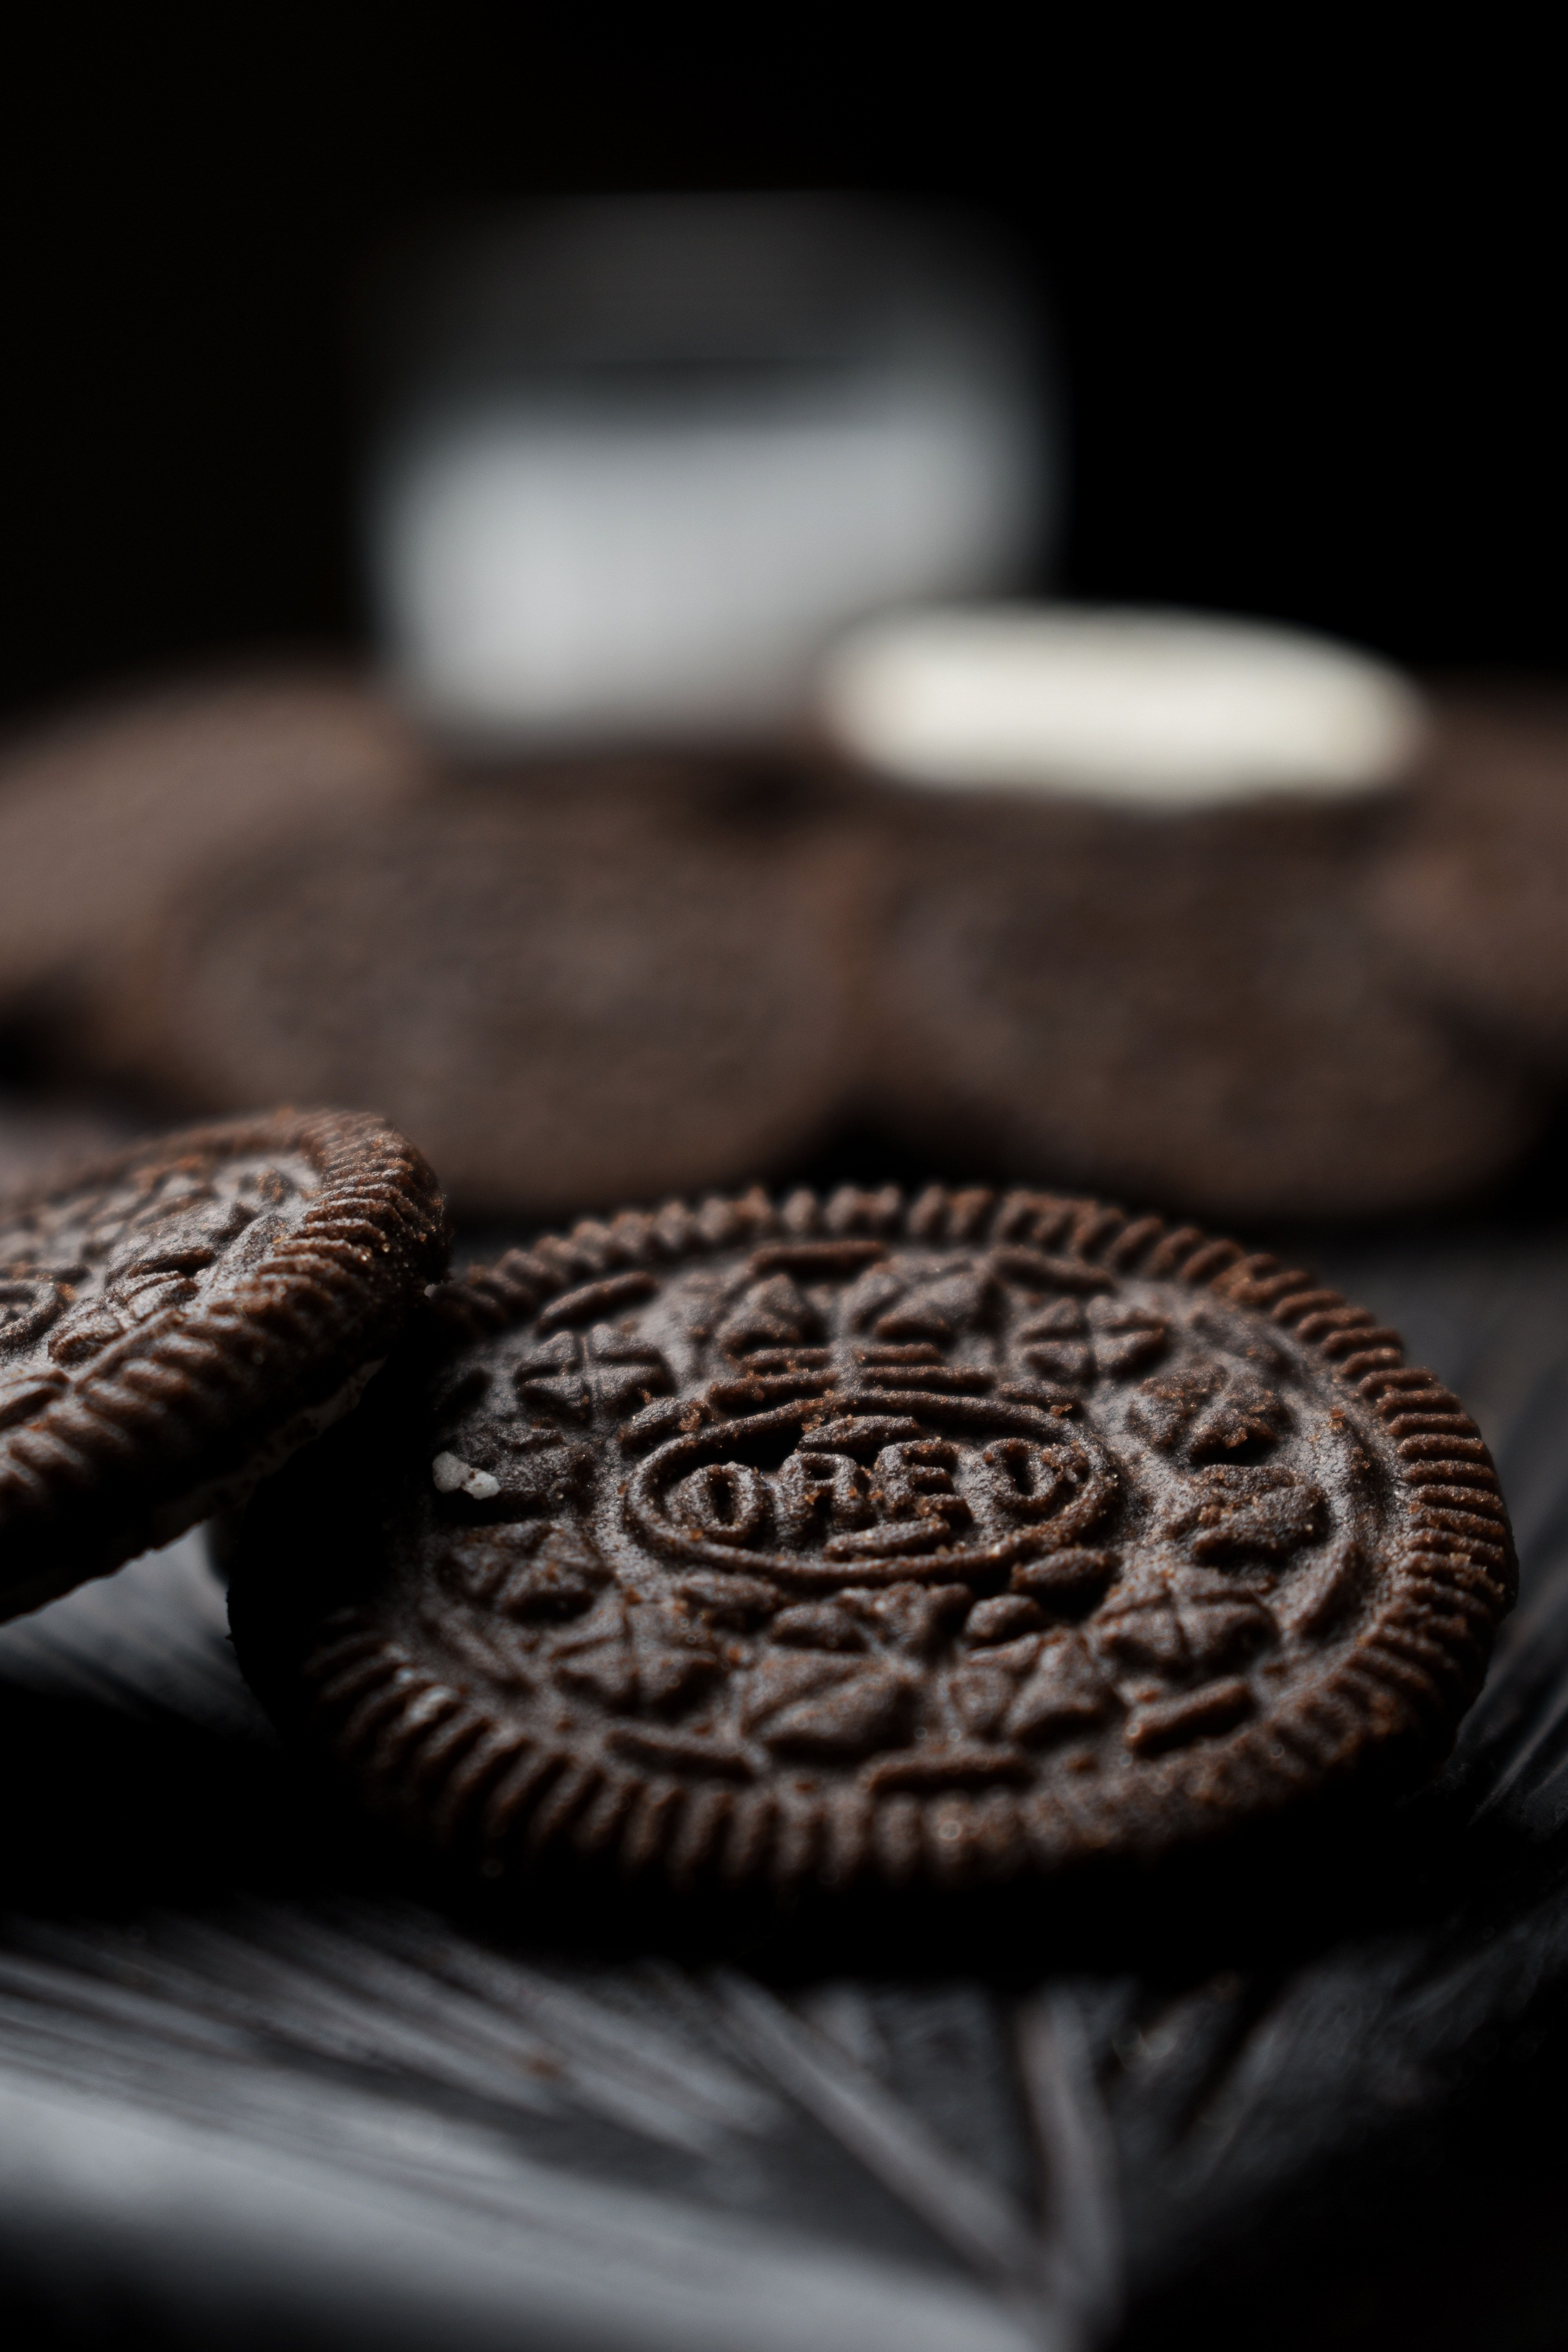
<point x="876" y="1484"/>
<point x="926" y="1513"/>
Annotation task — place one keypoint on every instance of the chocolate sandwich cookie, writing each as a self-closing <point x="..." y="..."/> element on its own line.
<point x="102" y="808"/>
<point x="1473" y="888"/>
<point x="564" y="998"/>
<point x="176" y="1321"/>
<point x="951" y="1538"/>
<point x="1190" y="1008"/>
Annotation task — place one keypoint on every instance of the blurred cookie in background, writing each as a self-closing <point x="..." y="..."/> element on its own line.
<point x="39" y="1136"/>
<point x="1473" y="889"/>
<point x="1200" y="1020"/>
<point x="597" y="985"/>
<point x="1124" y="946"/>
<point x="106" y="806"/>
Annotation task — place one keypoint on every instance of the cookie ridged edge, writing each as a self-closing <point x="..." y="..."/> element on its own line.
<point x="450" y="1771"/>
<point x="116" y="1464"/>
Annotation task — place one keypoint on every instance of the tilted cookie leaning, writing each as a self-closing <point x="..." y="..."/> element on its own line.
<point x="176" y="1318"/>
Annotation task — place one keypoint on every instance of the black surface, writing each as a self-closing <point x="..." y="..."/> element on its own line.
<point x="258" y="2071"/>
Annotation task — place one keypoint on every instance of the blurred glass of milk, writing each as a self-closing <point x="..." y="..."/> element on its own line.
<point x="639" y="459"/>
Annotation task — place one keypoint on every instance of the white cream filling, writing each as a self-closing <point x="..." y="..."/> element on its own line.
<point x="451" y="1475"/>
<point x="1166" y="710"/>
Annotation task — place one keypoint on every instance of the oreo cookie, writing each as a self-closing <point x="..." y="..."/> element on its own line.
<point x="175" y="1320"/>
<point x="1473" y="888"/>
<point x="1190" y="1009"/>
<point x="600" y="991"/>
<point x="952" y="1539"/>
<point x="102" y="809"/>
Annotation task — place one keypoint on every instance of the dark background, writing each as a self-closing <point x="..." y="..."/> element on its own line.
<point x="1307" y="296"/>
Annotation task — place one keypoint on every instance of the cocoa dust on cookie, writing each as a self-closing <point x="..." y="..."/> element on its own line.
<point x="176" y="1318"/>
<point x="867" y="1538"/>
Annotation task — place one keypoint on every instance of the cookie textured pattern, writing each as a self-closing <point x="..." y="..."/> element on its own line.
<point x="949" y="1540"/>
<point x="175" y="1320"/>
<point x="1194" y="1011"/>
<point x="564" y="1000"/>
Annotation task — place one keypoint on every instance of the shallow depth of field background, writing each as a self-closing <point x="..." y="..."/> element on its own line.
<point x="1304" y="293"/>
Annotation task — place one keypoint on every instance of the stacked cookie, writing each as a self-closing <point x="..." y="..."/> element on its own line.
<point x="1149" y="921"/>
<point x="1148" y="951"/>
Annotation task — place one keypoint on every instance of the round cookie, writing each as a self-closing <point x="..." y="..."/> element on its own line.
<point x="106" y="805"/>
<point x="1188" y="1008"/>
<point x="956" y="1538"/>
<point x="564" y="997"/>
<point x="1473" y="888"/>
<point x="176" y="1320"/>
